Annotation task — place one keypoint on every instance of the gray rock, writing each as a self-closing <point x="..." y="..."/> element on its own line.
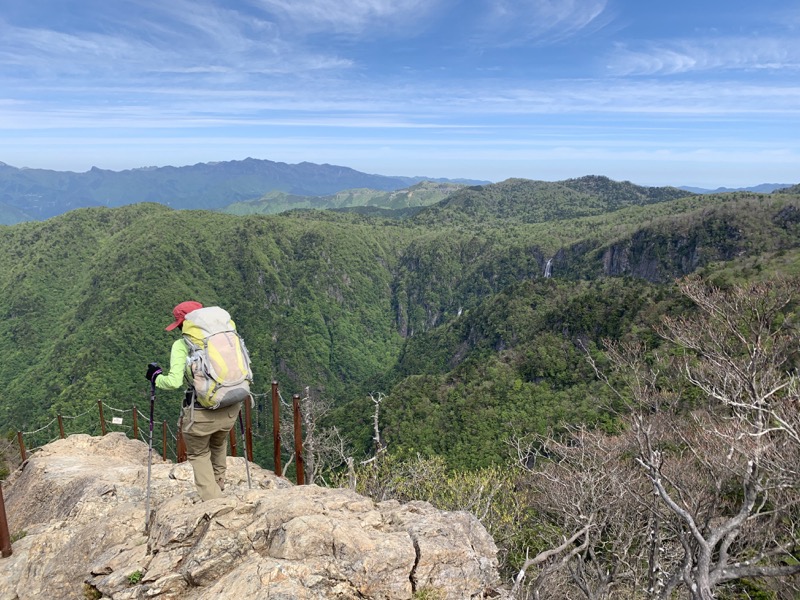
<point x="81" y="505"/>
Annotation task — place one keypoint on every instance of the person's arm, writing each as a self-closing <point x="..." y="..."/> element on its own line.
<point x="177" y="366"/>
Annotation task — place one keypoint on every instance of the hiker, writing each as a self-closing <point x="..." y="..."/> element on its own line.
<point x="212" y="402"/>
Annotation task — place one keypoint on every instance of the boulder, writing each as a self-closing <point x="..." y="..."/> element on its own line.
<point x="76" y="509"/>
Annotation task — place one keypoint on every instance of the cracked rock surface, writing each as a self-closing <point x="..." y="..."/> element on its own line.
<point x="78" y="507"/>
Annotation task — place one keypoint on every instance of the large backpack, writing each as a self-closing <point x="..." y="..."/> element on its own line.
<point x="218" y="364"/>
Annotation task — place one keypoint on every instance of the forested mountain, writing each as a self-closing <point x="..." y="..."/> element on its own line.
<point x="448" y="313"/>
<point x="517" y="201"/>
<point x="482" y="333"/>
<point x="35" y="194"/>
<point x="794" y="189"/>
<point x="421" y="194"/>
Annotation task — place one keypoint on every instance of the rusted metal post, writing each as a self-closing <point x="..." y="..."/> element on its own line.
<point x="102" y="420"/>
<point x="23" y="455"/>
<point x="233" y="442"/>
<point x="61" y="427"/>
<point x="5" y="535"/>
<point x="248" y="426"/>
<point x="164" y="439"/>
<point x="298" y="440"/>
<point x="135" y="423"/>
<point x="276" y="429"/>
<point x="181" y="442"/>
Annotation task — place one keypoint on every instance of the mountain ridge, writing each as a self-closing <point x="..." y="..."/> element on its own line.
<point x="764" y="188"/>
<point x="39" y="194"/>
<point x="418" y="195"/>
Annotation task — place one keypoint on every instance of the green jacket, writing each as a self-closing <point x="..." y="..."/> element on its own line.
<point x="178" y="358"/>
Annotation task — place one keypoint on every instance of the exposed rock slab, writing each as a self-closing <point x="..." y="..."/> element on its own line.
<point x="81" y="505"/>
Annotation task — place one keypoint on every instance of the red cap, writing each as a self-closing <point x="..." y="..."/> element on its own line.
<point x="180" y="312"/>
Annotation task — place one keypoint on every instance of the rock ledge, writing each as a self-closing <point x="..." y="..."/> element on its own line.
<point x="81" y="505"/>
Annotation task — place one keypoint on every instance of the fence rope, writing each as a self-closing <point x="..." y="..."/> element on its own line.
<point x="284" y="402"/>
<point x="83" y="414"/>
<point x="261" y="401"/>
<point x="40" y="429"/>
<point x="114" y="408"/>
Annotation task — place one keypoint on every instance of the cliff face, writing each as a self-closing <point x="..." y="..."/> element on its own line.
<point x="78" y="507"/>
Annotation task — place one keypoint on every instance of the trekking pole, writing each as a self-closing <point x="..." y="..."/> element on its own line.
<point x="149" y="457"/>
<point x="244" y="453"/>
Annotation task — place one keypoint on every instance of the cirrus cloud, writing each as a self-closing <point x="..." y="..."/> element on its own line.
<point x="725" y="54"/>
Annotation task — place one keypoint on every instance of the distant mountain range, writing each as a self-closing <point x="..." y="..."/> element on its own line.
<point x="38" y="194"/>
<point x="764" y="188"/>
<point x="249" y="186"/>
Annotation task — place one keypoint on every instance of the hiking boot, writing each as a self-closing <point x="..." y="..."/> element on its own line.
<point x="221" y="484"/>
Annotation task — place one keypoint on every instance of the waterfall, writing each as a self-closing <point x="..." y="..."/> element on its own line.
<point x="548" y="267"/>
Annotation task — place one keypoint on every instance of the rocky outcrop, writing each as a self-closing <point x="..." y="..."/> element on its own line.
<point x="78" y="509"/>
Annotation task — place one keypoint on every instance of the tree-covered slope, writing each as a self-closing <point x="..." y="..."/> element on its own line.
<point x="516" y="364"/>
<point x="421" y="194"/>
<point x="453" y="319"/>
<point x="85" y="304"/>
<point x="794" y="189"/>
<point x="618" y="194"/>
<point x="526" y="201"/>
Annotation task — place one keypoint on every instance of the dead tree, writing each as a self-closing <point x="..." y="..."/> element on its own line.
<point x="580" y="488"/>
<point x="726" y="476"/>
<point x="323" y="447"/>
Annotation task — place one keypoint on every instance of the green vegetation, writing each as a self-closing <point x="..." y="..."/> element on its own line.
<point x="421" y="194"/>
<point x="794" y="189"/>
<point x="15" y="537"/>
<point x="428" y="594"/>
<point x="446" y="312"/>
<point x="135" y="577"/>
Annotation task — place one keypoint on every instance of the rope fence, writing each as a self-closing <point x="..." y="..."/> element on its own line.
<point x="126" y="420"/>
<point x="169" y="440"/>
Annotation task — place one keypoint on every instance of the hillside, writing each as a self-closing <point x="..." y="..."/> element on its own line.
<point x="448" y="313"/>
<point x="421" y="194"/>
<point x="37" y="194"/>
<point x="794" y="189"/>
<point x="520" y="201"/>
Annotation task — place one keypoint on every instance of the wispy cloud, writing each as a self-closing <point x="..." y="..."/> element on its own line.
<point x="510" y="22"/>
<point x="181" y="36"/>
<point x="725" y="54"/>
<point x="469" y="105"/>
<point x="348" y="16"/>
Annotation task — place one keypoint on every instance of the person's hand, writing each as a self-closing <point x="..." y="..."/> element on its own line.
<point x="153" y="371"/>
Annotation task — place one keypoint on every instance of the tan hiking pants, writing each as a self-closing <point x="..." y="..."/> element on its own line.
<point x="207" y="446"/>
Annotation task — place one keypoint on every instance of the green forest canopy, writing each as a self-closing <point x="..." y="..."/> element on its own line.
<point x="446" y="312"/>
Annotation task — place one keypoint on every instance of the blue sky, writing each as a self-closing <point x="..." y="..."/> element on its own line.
<point x="703" y="93"/>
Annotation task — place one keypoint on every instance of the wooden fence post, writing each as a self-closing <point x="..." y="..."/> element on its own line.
<point x="164" y="439"/>
<point x="233" y="441"/>
<point x="276" y="429"/>
<point x="135" y="423"/>
<point x="23" y="455"/>
<point x="5" y="535"/>
<point x="181" y="442"/>
<point x="102" y="420"/>
<point x="61" y="427"/>
<point x="248" y="427"/>
<point x="298" y="441"/>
